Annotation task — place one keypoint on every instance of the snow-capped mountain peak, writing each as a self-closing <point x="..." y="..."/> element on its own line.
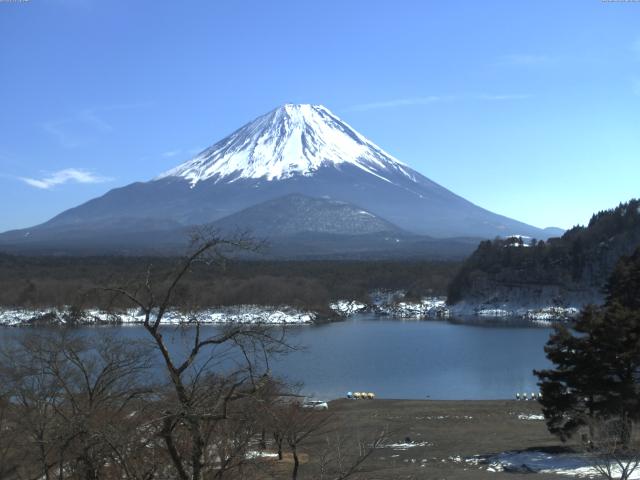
<point x="294" y="139"/>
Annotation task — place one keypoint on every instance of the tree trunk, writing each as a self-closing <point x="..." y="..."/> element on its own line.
<point x="197" y="449"/>
<point x="625" y="430"/>
<point x="296" y="463"/>
<point x="166" y="435"/>
<point x="279" y="441"/>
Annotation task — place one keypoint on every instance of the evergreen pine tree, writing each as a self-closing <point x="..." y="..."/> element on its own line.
<point x="597" y="365"/>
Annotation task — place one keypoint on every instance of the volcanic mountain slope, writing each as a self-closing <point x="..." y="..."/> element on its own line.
<point x="292" y="149"/>
<point x="299" y="214"/>
<point x="292" y="227"/>
<point x="301" y="227"/>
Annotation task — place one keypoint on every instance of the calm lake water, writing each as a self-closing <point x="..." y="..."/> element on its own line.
<point x="401" y="359"/>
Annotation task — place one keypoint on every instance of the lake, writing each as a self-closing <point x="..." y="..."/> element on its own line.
<point x="402" y="358"/>
<point x="416" y="359"/>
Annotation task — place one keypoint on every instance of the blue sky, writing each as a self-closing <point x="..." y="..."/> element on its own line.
<point x="530" y="108"/>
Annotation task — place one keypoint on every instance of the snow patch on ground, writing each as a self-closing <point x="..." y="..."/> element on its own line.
<point x="535" y="461"/>
<point x="433" y="307"/>
<point x="348" y="307"/>
<point x="538" y="314"/>
<point x="393" y="304"/>
<point x="543" y="316"/>
<point x="245" y="314"/>
<point x="530" y="416"/>
<point x="446" y="417"/>
<point x="548" y="314"/>
<point x="405" y="445"/>
<point x="493" y="312"/>
<point x="257" y="454"/>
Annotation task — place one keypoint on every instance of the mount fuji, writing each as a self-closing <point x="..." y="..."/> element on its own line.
<point x="296" y="149"/>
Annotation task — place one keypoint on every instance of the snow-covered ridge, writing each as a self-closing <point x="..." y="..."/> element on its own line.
<point x="290" y="140"/>
<point x="245" y="314"/>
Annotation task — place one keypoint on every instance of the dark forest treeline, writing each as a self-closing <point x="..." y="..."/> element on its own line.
<point x="580" y="260"/>
<point x="79" y="281"/>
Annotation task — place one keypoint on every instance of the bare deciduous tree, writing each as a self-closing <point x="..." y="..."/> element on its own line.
<point x="72" y="400"/>
<point x="199" y="410"/>
<point x="79" y="405"/>
<point x="612" y="450"/>
<point x="9" y="457"/>
<point x="343" y="455"/>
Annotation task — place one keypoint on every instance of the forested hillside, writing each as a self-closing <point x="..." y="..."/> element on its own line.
<point x="571" y="269"/>
<point x="33" y="282"/>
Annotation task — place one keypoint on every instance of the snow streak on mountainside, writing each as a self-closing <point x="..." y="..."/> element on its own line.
<point x="290" y="140"/>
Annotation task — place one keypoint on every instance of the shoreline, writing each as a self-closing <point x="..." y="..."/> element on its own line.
<point x="392" y="304"/>
<point x="284" y="316"/>
<point x="429" y="307"/>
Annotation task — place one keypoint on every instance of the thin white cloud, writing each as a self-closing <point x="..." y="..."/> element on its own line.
<point x="399" y="102"/>
<point x="73" y="131"/>
<point x="64" y="176"/>
<point x="525" y="60"/>
<point x="76" y="129"/>
<point x="64" y="136"/>
<point x="124" y="106"/>
<point x="503" y="96"/>
<point x="403" y="102"/>
<point x="171" y="153"/>
<point x="184" y="152"/>
<point x="91" y="118"/>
